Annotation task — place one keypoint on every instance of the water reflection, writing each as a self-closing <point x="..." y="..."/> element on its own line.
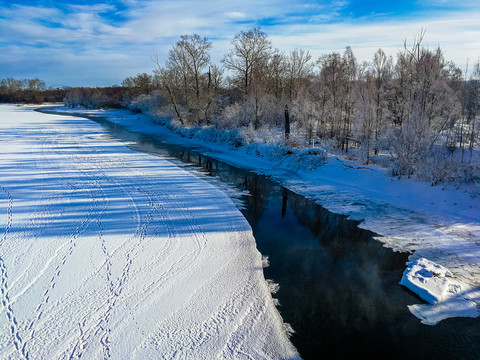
<point x="338" y="286"/>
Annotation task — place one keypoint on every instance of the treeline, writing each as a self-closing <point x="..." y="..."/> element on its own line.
<point x="34" y="91"/>
<point x="417" y="111"/>
<point x="95" y="98"/>
<point x="28" y="91"/>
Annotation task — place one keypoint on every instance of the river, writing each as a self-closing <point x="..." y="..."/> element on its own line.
<point x="338" y="286"/>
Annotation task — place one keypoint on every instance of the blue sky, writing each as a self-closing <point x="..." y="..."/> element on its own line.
<point x="99" y="43"/>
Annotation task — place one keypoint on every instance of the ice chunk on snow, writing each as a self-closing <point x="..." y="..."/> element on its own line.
<point x="428" y="280"/>
<point x="446" y="297"/>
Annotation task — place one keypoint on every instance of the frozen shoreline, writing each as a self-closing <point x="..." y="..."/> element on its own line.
<point x="441" y="224"/>
<point x="128" y="254"/>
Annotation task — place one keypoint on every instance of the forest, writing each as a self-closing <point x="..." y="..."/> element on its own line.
<point x="416" y="113"/>
<point x="28" y="91"/>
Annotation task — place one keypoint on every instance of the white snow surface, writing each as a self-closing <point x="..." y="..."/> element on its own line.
<point x="110" y="253"/>
<point x="428" y="280"/>
<point x="434" y="284"/>
<point x="438" y="223"/>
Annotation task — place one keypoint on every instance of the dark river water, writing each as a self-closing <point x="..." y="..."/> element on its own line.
<point x="338" y="285"/>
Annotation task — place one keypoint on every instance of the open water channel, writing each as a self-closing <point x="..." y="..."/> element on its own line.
<point x="338" y="285"/>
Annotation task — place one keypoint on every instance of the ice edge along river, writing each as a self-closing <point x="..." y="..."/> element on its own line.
<point x="438" y="225"/>
<point x="107" y="252"/>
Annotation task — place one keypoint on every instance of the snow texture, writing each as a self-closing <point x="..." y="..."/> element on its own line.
<point x="428" y="280"/>
<point x="110" y="253"/>
<point x="434" y="284"/>
<point x="438" y="223"/>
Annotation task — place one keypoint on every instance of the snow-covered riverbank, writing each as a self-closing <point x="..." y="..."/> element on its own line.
<point x="441" y="223"/>
<point x="107" y="252"/>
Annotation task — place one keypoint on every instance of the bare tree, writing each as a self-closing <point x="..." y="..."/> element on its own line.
<point x="36" y="84"/>
<point x="191" y="57"/>
<point x="298" y="68"/>
<point x="365" y="106"/>
<point x="473" y="108"/>
<point x="15" y="85"/>
<point x="188" y="80"/>
<point x="424" y="104"/>
<point x="275" y="74"/>
<point x="251" y="50"/>
<point x="382" y="69"/>
<point x="332" y="78"/>
<point x="141" y="83"/>
<point x="167" y="80"/>
<point x="349" y="81"/>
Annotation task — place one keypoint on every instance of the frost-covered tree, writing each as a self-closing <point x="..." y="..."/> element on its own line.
<point x="167" y="80"/>
<point x="331" y="77"/>
<point x="188" y="80"/>
<point x="365" y="113"/>
<point x="349" y="82"/>
<point x="337" y="81"/>
<point x="139" y="84"/>
<point x="382" y="70"/>
<point x="371" y="103"/>
<point x="250" y="53"/>
<point x="471" y="110"/>
<point x="305" y="108"/>
<point x="259" y="73"/>
<point x="298" y="69"/>
<point x="275" y="74"/>
<point x="423" y="105"/>
<point x="191" y="56"/>
<point x="15" y="85"/>
<point x="36" y="84"/>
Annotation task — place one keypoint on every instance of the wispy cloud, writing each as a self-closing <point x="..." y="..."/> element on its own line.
<point x="103" y="42"/>
<point x="459" y="37"/>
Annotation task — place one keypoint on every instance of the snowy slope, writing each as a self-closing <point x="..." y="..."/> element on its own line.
<point x="441" y="223"/>
<point x="110" y="253"/>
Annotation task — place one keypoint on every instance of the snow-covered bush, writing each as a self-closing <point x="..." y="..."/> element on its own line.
<point x="235" y="116"/>
<point x="309" y="159"/>
<point x="210" y="134"/>
<point x="148" y="104"/>
<point x="299" y="159"/>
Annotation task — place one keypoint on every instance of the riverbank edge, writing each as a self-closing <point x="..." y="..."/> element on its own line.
<point x="414" y="208"/>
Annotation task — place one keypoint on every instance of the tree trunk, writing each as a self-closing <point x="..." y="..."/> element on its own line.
<point x="174" y="104"/>
<point x="287" y="123"/>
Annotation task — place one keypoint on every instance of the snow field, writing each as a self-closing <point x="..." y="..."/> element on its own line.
<point x="110" y="253"/>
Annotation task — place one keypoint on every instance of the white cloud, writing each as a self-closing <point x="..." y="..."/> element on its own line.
<point x="94" y="8"/>
<point x="86" y="37"/>
<point x="458" y="37"/>
<point x="235" y="15"/>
